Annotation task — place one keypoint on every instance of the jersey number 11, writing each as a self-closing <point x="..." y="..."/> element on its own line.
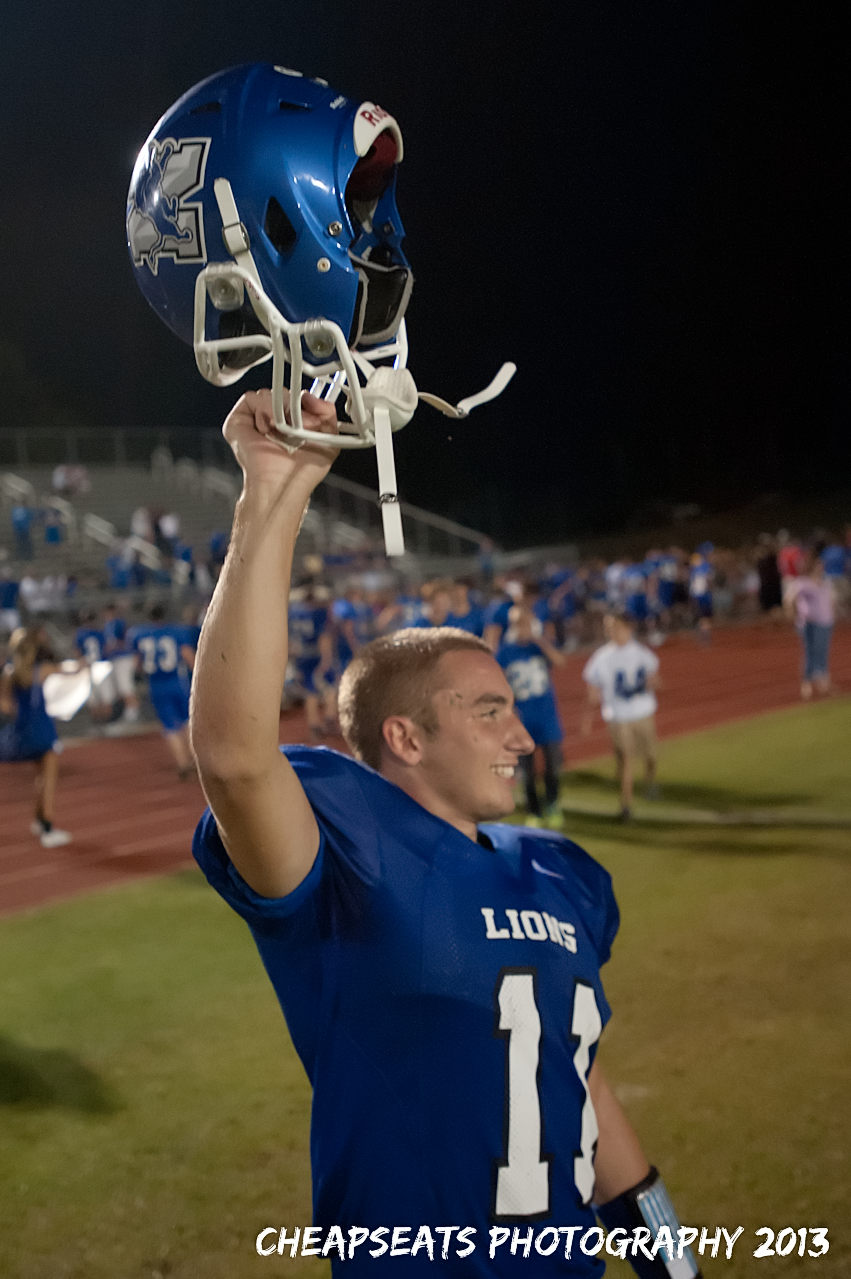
<point x="522" y="1184"/>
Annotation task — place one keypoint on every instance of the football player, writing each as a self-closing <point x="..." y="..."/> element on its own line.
<point x="526" y="656"/>
<point x="90" y="643"/>
<point x="312" y="642"/>
<point x="166" y="654"/>
<point x="439" y="971"/>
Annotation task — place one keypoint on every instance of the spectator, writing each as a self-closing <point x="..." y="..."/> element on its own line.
<point x="790" y="556"/>
<point x="167" y="532"/>
<point x="140" y="524"/>
<point x="463" y="614"/>
<point x="810" y="599"/>
<point x="68" y="481"/>
<point x="770" y="583"/>
<point x="701" y="577"/>
<point x="834" y="559"/>
<point x="10" y="618"/>
<point x="621" y="678"/>
<point x="219" y="542"/>
<point x="23" y="518"/>
<point x="54" y="528"/>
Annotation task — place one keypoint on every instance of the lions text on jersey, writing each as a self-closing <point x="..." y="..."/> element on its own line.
<point x="445" y="999"/>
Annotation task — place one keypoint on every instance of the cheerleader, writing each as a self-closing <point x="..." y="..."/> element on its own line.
<point x="31" y="733"/>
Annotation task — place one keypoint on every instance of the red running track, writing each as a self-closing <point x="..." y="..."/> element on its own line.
<point x="130" y="816"/>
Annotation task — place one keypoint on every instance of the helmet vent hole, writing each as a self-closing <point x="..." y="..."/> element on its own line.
<point x="207" y="108"/>
<point x="278" y="227"/>
<point x="293" y="106"/>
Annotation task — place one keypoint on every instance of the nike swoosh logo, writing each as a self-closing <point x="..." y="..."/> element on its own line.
<point x="554" y="873"/>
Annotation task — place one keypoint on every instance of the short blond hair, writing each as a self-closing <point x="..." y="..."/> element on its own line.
<point x="396" y="675"/>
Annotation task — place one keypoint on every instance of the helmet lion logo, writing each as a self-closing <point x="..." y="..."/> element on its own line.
<point x="160" y="221"/>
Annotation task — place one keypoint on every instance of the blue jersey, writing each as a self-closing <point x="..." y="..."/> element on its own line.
<point x="700" y="580"/>
<point x="472" y="622"/>
<point x="833" y="559"/>
<point x="33" y="733"/>
<point x="159" y="649"/>
<point x="444" y="997"/>
<point x="412" y="611"/>
<point x="528" y="673"/>
<point x="496" y="614"/>
<point x="90" y="643"/>
<point x="363" y="621"/>
<point x="115" y="638"/>
<point x="306" y="623"/>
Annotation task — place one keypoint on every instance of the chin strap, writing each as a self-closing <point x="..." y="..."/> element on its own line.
<point x="463" y="408"/>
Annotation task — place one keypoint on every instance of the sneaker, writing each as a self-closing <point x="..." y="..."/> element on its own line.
<point x="54" y="838"/>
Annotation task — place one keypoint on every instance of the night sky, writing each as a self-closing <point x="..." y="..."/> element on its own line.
<point x="636" y="202"/>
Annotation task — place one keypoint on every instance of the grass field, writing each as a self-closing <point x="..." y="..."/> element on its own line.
<point x="154" y="1117"/>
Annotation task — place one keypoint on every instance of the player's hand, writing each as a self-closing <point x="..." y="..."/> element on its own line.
<point x="250" y="431"/>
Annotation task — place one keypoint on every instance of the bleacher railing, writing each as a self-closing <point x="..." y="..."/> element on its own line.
<point x="201" y="461"/>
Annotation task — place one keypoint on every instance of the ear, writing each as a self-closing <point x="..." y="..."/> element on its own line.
<point x="403" y="739"/>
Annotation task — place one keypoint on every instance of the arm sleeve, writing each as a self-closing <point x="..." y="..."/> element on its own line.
<point x="346" y="800"/>
<point x="596" y="898"/>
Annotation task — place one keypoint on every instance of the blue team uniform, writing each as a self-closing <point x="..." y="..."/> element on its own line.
<point x="566" y="606"/>
<point x="833" y="559"/>
<point x="528" y="673"/>
<point x="496" y="614"/>
<point x="412" y="611"/>
<point x="115" y="638"/>
<point x="168" y="677"/>
<point x="634" y="586"/>
<point x="90" y="642"/>
<point x="473" y="622"/>
<point x="439" y="993"/>
<point x="667" y="570"/>
<point x="32" y="733"/>
<point x="363" y="619"/>
<point x="306" y="623"/>
<point x="700" y="587"/>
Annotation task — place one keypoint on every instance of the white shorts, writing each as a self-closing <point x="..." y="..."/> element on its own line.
<point x="103" y="694"/>
<point x="123" y="671"/>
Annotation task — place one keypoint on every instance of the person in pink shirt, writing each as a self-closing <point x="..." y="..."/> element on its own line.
<point x="810" y="599"/>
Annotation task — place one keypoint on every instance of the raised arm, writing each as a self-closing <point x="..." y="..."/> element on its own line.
<point x="265" y="821"/>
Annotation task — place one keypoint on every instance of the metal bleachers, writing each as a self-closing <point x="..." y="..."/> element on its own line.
<point x="193" y="475"/>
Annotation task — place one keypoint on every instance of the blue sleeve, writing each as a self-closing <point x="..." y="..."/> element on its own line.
<point x="596" y="898"/>
<point x="258" y="912"/>
<point x="348" y="814"/>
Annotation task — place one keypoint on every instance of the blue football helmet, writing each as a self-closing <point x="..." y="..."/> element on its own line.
<point x="262" y="224"/>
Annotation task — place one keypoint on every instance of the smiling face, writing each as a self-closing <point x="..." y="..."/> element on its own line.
<point x="466" y="768"/>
